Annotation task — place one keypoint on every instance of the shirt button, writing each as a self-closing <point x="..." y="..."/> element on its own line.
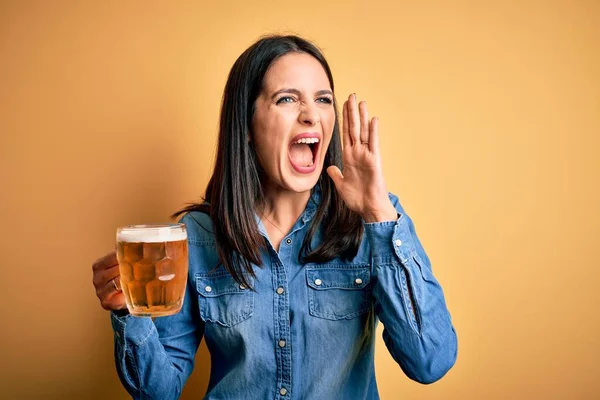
<point x="318" y="282"/>
<point x="283" y="391"/>
<point x="208" y="289"/>
<point x="242" y="287"/>
<point x="279" y="290"/>
<point x="282" y="343"/>
<point x="398" y="242"/>
<point x="358" y="281"/>
<point x="288" y="241"/>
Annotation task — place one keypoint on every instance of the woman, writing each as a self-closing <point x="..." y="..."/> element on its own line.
<point x="295" y="255"/>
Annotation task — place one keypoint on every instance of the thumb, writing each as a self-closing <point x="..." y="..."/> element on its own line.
<point x="336" y="175"/>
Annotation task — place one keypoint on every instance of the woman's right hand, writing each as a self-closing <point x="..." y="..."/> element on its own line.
<point x="107" y="282"/>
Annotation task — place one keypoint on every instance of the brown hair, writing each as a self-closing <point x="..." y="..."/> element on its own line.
<point x="235" y="191"/>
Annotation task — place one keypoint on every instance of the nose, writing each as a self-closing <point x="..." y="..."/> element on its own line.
<point x="309" y="114"/>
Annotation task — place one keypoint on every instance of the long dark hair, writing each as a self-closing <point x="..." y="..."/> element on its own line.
<point x="235" y="190"/>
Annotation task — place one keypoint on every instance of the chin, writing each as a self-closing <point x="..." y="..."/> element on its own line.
<point x="302" y="184"/>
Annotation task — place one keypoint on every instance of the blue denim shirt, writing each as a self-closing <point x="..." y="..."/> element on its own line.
<point x="306" y="332"/>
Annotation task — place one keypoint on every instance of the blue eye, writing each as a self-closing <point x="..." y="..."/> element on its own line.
<point x="325" y="100"/>
<point x="285" y="99"/>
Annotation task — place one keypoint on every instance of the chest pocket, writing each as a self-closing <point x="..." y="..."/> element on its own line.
<point x="338" y="292"/>
<point x="222" y="300"/>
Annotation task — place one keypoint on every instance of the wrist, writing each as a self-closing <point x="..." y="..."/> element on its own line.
<point x="383" y="214"/>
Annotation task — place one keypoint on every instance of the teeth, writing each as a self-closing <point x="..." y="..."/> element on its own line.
<point x="307" y="140"/>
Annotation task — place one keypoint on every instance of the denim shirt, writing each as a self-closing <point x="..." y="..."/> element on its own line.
<point x="307" y="331"/>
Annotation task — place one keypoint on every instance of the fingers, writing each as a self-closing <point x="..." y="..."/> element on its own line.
<point x="111" y="298"/>
<point x="106" y="276"/>
<point x="357" y="127"/>
<point x="364" y="122"/>
<point x="115" y="301"/>
<point x="374" y="135"/>
<point x="103" y="281"/>
<point x="104" y="262"/>
<point x="345" y="131"/>
<point x="336" y="175"/>
<point x="353" y="119"/>
<point x="104" y="270"/>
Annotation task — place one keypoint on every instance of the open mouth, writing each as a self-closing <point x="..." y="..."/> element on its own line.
<point x="303" y="153"/>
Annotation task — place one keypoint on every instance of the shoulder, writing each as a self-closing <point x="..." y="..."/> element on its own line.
<point x="203" y="255"/>
<point x="199" y="228"/>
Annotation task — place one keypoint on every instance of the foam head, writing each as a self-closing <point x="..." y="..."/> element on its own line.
<point x="151" y="233"/>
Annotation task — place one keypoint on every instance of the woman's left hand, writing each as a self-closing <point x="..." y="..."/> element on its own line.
<point x="362" y="186"/>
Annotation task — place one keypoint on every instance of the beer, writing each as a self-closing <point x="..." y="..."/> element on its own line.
<point x="153" y="262"/>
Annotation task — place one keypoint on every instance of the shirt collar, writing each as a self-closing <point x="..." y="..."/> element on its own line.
<point x="312" y="205"/>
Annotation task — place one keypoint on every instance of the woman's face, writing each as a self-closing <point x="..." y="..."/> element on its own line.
<point x="293" y="122"/>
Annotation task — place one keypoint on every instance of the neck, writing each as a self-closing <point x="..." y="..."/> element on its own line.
<point x="283" y="207"/>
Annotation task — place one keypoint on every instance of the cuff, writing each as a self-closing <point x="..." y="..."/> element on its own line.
<point x="134" y="330"/>
<point x="389" y="239"/>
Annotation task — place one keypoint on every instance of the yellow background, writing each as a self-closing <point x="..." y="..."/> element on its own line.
<point x="490" y="124"/>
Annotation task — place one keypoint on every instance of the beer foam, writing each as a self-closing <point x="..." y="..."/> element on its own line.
<point x="151" y="234"/>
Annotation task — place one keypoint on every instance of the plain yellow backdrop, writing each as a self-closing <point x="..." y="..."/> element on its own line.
<point x="490" y="126"/>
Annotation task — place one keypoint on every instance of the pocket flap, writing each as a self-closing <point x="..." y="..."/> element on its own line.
<point x="213" y="286"/>
<point x="339" y="277"/>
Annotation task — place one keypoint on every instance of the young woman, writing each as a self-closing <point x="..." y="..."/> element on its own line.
<point x="295" y="255"/>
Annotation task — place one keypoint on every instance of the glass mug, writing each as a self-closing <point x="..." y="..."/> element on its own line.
<point x="153" y="262"/>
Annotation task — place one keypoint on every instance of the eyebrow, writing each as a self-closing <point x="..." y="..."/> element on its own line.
<point x="297" y="92"/>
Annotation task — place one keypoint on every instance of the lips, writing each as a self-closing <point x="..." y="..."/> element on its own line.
<point x="303" y="152"/>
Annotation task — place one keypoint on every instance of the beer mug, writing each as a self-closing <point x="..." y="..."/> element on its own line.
<point x="153" y="262"/>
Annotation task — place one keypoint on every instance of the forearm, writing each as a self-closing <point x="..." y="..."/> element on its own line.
<point x="418" y="333"/>
<point x="410" y="302"/>
<point x="144" y="367"/>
